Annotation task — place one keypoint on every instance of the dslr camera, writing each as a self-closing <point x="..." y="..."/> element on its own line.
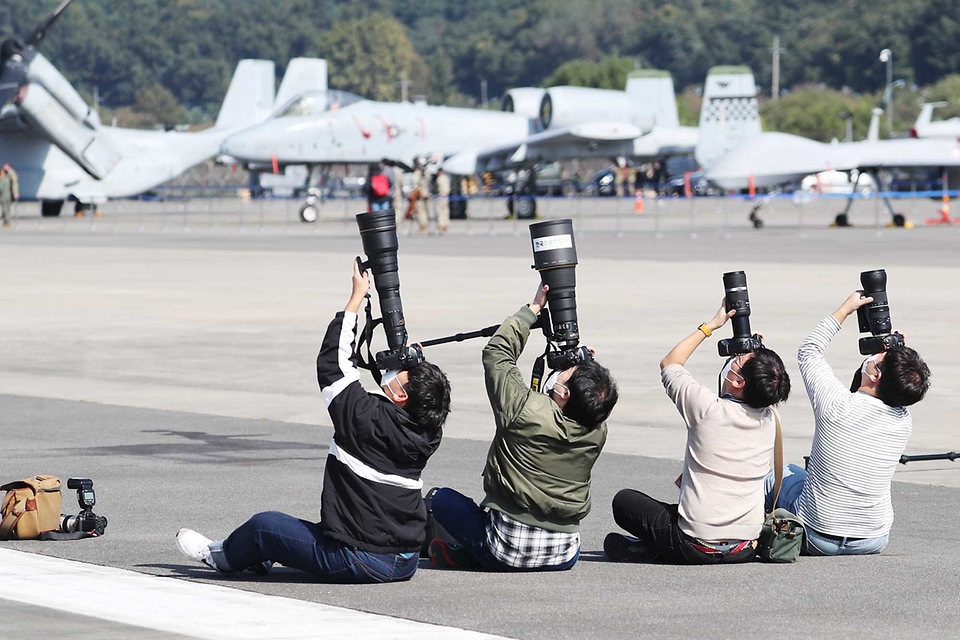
<point x="555" y="257"/>
<point x="737" y="297"/>
<point x="378" y="232"/>
<point x="86" y="521"/>
<point x="874" y="318"/>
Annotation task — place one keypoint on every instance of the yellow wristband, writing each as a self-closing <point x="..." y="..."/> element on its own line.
<point x="705" y="329"/>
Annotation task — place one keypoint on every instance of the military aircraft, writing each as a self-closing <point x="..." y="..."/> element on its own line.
<point x="924" y="128"/>
<point x="534" y="125"/>
<point x="737" y="155"/>
<point x="61" y="151"/>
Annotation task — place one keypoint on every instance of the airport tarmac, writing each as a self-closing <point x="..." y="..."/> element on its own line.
<point x="176" y="369"/>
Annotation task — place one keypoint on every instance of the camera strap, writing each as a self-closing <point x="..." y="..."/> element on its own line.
<point x="75" y="535"/>
<point x="539" y="368"/>
<point x="366" y="337"/>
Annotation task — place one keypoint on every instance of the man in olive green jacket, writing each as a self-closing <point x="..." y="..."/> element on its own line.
<point x="537" y="476"/>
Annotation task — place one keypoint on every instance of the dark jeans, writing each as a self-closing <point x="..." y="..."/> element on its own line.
<point x="466" y="522"/>
<point x="302" y="545"/>
<point x="657" y="524"/>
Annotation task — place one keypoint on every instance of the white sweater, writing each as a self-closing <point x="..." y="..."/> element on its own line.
<point x="856" y="447"/>
<point x="729" y="446"/>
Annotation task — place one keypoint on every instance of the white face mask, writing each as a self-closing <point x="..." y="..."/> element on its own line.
<point x="863" y="367"/>
<point x="550" y="381"/>
<point x="726" y="371"/>
<point x="388" y="377"/>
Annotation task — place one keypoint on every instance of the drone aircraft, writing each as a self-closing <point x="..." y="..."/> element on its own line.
<point x="61" y="151"/>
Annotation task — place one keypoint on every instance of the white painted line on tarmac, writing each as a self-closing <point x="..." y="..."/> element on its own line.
<point x="194" y="609"/>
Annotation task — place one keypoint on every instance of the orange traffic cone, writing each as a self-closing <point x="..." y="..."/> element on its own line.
<point x="638" y="202"/>
<point x="944" y="213"/>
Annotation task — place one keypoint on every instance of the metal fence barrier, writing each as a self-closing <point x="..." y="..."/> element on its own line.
<point x="220" y="210"/>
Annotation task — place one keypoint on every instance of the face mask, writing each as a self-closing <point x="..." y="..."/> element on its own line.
<point x="726" y="371"/>
<point x="550" y="381"/>
<point x="863" y="367"/>
<point x="389" y="376"/>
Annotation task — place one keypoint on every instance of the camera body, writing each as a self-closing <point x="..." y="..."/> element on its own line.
<point x="874" y="318"/>
<point x="737" y="297"/>
<point x="560" y="360"/>
<point x="86" y="521"/>
<point x="399" y="359"/>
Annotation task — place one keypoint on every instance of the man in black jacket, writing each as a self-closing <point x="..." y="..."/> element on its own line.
<point x="372" y="515"/>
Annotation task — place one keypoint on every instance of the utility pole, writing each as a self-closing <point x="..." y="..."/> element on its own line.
<point x="886" y="56"/>
<point x="776" y="50"/>
<point x="483" y="93"/>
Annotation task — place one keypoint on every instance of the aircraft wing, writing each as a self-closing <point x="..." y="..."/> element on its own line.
<point x="581" y="140"/>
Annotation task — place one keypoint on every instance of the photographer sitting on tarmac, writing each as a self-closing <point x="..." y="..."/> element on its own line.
<point x="537" y="476"/>
<point x="372" y="515"/>
<point x="844" y="496"/>
<point x="729" y="444"/>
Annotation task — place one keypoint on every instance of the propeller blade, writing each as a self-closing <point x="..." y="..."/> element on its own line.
<point x="41" y="30"/>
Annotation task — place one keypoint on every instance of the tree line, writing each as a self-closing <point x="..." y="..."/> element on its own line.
<point x="171" y="60"/>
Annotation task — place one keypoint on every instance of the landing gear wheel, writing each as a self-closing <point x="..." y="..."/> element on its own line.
<point x="50" y="208"/>
<point x="841" y="220"/>
<point x="309" y="213"/>
<point x="526" y="208"/>
<point x="899" y="220"/>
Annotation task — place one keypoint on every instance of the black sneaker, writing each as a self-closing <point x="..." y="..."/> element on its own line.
<point x="621" y="548"/>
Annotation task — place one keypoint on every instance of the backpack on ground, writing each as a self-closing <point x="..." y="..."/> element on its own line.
<point x="379" y="185"/>
<point x="30" y="507"/>
<point x="782" y="536"/>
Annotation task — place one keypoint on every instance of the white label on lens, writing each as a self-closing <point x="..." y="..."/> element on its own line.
<point x="549" y="243"/>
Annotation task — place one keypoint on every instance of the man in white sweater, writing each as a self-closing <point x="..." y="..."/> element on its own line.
<point x="843" y="497"/>
<point x="730" y="439"/>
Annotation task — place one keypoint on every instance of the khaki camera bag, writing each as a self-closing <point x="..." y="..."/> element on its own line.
<point x="30" y="507"/>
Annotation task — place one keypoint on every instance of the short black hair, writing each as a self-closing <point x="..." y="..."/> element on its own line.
<point x="904" y="377"/>
<point x="593" y="393"/>
<point x="428" y="397"/>
<point x="766" y="381"/>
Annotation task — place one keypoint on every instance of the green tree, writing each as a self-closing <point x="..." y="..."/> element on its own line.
<point x="817" y="113"/>
<point x="369" y="56"/>
<point x="609" y="73"/>
<point x="158" y="103"/>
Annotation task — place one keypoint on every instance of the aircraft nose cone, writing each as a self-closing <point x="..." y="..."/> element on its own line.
<point x="248" y="146"/>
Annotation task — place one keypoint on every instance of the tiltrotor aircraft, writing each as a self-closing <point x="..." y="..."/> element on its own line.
<point x="61" y="151"/>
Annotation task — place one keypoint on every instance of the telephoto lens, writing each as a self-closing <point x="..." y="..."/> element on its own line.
<point x="737" y="297"/>
<point x="876" y="315"/>
<point x="555" y="257"/>
<point x="378" y="232"/>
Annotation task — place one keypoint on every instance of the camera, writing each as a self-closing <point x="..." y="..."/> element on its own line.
<point x="874" y="317"/>
<point x="86" y="521"/>
<point x="737" y="297"/>
<point x="378" y="232"/>
<point x="555" y="257"/>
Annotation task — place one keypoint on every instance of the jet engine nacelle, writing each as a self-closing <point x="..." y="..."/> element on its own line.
<point x="82" y="143"/>
<point x="562" y="107"/>
<point x="41" y="72"/>
<point x="524" y="101"/>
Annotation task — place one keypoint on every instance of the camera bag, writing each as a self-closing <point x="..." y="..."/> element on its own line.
<point x="30" y="508"/>
<point x="782" y="536"/>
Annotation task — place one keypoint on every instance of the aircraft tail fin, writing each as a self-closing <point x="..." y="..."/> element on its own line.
<point x="654" y="89"/>
<point x="302" y="75"/>
<point x="873" y="133"/>
<point x="249" y="98"/>
<point x="926" y="113"/>
<point x="729" y="115"/>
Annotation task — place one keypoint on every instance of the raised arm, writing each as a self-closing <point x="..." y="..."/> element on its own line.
<point x="337" y="360"/>
<point x="506" y="388"/>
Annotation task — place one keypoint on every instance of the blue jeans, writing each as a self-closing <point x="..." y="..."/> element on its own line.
<point x="302" y="545"/>
<point x="817" y="544"/>
<point x="466" y="522"/>
<point x="380" y="206"/>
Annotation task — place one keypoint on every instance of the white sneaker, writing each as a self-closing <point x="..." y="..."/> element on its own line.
<point x="196" y="547"/>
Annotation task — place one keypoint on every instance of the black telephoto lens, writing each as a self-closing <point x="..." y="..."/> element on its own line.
<point x="555" y="257"/>
<point x="876" y="316"/>
<point x="378" y="231"/>
<point x="737" y="297"/>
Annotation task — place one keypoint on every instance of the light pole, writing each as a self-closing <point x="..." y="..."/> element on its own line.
<point x="887" y="56"/>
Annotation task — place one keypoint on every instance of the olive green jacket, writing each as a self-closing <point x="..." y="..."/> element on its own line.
<point x="539" y="464"/>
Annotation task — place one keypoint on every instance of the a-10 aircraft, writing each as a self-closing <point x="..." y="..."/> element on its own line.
<point x="534" y="125"/>
<point x="61" y="151"/>
<point x="737" y="155"/>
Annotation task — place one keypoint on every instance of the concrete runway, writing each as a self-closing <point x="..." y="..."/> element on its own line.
<point x="168" y="365"/>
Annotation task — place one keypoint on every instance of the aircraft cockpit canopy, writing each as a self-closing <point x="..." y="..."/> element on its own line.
<point x="318" y="102"/>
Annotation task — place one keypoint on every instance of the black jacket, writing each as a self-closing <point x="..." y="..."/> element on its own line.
<point x="371" y="486"/>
